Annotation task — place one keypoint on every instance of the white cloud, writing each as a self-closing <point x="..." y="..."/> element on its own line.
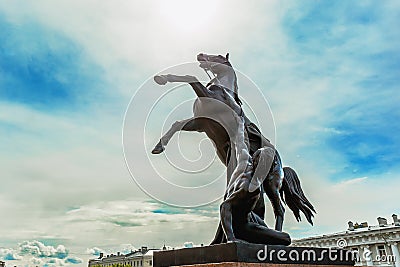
<point x="36" y="253"/>
<point x="127" y="248"/>
<point x="39" y="249"/>
<point x="36" y="262"/>
<point x="351" y="182"/>
<point x="133" y="213"/>
<point x="55" y="262"/>
<point x="337" y="203"/>
<point x="95" y="251"/>
<point x="9" y="254"/>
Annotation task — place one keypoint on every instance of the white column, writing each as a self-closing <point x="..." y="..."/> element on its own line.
<point x="367" y="256"/>
<point x="396" y="254"/>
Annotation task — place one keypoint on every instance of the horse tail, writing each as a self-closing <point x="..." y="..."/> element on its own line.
<point x="293" y="196"/>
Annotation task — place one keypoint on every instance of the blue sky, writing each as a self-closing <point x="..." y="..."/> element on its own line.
<point x="329" y="70"/>
<point x="368" y="122"/>
<point x="50" y="72"/>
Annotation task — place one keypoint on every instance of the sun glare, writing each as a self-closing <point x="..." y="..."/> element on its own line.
<point x="188" y="15"/>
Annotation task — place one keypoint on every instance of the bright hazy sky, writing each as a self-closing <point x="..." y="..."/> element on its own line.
<point x="330" y="71"/>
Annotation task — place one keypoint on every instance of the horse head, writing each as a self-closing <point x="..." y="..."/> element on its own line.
<point x="222" y="70"/>
<point x="214" y="63"/>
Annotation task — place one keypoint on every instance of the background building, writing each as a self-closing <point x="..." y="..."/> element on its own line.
<point x="376" y="245"/>
<point x="142" y="257"/>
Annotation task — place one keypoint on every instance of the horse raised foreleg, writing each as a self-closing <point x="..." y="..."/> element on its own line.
<point x="198" y="87"/>
<point x="190" y="124"/>
<point x="163" y="79"/>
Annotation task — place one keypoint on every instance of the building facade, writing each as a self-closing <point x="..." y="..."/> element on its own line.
<point x="142" y="257"/>
<point x="376" y="245"/>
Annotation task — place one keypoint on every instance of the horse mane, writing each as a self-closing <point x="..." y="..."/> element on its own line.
<point x="236" y="91"/>
<point x="235" y="86"/>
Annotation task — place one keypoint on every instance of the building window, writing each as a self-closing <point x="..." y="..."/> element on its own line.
<point x="382" y="251"/>
<point x="150" y="262"/>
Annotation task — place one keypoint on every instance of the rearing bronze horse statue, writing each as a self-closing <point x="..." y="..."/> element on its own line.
<point x="277" y="182"/>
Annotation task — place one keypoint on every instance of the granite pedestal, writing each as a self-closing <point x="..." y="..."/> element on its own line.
<point x="239" y="254"/>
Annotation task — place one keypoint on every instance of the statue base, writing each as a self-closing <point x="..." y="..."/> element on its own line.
<point x="239" y="254"/>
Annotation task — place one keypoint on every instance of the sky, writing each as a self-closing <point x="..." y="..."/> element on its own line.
<point x="70" y="71"/>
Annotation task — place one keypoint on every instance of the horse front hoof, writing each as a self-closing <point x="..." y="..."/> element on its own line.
<point x="160" y="80"/>
<point x="158" y="149"/>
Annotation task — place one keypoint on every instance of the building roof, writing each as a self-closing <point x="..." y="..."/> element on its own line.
<point x="150" y="252"/>
<point x="133" y="254"/>
<point x="360" y="229"/>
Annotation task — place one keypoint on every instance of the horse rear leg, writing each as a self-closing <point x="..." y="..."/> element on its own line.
<point x="272" y="184"/>
<point x="279" y="210"/>
<point x="190" y="124"/>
